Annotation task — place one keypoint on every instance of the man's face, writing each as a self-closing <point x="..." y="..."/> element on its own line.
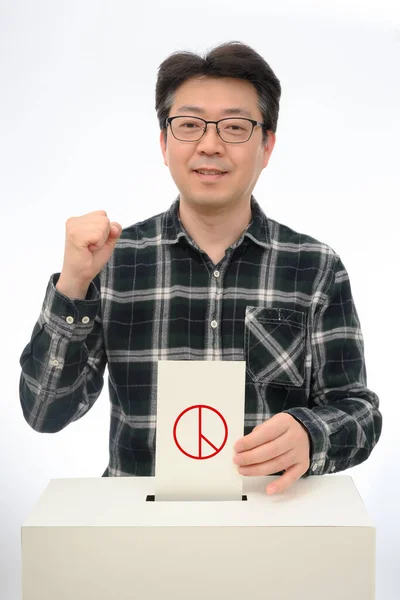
<point x="211" y="99"/>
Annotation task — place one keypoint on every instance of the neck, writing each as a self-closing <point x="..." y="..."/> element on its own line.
<point x="214" y="229"/>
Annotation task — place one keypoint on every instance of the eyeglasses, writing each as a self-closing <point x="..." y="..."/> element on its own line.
<point x="231" y="131"/>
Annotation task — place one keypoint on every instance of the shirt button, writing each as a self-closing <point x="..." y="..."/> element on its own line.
<point x="214" y="324"/>
<point x="70" y="320"/>
<point x="55" y="362"/>
<point x="314" y="468"/>
<point x="85" y="320"/>
<point x="216" y="274"/>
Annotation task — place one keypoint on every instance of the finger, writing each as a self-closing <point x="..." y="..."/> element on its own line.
<point x="97" y="236"/>
<point x="114" y="234"/>
<point x="280" y="463"/>
<point x="265" y="452"/>
<point x="102" y="213"/>
<point x="268" y="431"/>
<point x="286" y="480"/>
<point x="115" y="229"/>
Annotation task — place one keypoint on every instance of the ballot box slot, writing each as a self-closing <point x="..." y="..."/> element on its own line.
<point x="152" y="498"/>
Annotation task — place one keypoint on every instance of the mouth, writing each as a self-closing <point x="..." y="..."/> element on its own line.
<point x="211" y="176"/>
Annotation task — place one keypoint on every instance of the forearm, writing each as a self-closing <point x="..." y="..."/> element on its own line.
<point x="343" y="417"/>
<point x="343" y="433"/>
<point x="63" y="364"/>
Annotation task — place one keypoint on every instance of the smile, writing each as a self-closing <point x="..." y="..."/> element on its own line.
<point x="210" y="176"/>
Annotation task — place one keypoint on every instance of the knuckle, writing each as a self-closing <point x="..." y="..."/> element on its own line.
<point x="70" y="222"/>
<point x="244" y="460"/>
<point x="283" y="462"/>
<point x="105" y="223"/>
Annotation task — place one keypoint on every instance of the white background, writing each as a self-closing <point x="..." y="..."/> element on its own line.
<point x="78" y="132"/>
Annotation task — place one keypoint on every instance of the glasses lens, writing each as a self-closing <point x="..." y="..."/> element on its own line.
<point x="190" y="129"/>
<point x="235" y="130"/>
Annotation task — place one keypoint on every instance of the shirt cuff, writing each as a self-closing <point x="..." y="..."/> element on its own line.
<point x="319" y="441"/>
<point x="72" y="317"/>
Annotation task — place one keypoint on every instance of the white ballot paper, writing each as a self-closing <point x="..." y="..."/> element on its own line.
<point x="200" y="416"/>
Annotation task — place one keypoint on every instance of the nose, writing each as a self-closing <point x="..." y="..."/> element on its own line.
<point x="210" y="143"/>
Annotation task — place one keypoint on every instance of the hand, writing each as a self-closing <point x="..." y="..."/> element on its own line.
<point x="279" y="444"/>
<point x="89" y="244"/>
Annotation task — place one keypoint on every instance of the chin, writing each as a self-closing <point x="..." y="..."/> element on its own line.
<point x="208" y="199"/>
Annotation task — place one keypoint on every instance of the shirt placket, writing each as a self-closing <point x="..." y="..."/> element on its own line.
<point x="213" y="326"/>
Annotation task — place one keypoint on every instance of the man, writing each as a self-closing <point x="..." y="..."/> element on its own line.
<point x="212" y="278"/>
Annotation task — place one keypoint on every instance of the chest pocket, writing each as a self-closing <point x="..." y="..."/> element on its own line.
<point x="275" y="345"/>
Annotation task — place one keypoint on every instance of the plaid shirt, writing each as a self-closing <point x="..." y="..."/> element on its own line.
<point x="279" y="300"/>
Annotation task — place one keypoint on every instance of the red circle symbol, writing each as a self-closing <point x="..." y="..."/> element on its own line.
<point x="201" y="437"/>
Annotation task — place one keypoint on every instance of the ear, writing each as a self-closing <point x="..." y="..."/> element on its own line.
<point x="163" y="146"/>
<point x="268" y="147"/>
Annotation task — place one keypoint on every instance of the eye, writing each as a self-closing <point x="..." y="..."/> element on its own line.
<point x="235" y="127"/>
<point x="187" y="124"/>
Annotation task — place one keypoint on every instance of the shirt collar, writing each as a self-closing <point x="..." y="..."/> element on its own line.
<point x="257" y="230"/>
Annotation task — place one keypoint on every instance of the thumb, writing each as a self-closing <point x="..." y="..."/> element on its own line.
<point x="114" y="234"/>
<point x="115" y="230"/>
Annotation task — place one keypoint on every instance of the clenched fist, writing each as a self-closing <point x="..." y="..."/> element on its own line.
<point x="89" y="243"/>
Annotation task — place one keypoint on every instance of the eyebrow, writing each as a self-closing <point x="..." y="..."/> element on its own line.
<point x="201" y="111"/>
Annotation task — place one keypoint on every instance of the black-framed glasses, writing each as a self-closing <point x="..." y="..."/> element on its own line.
<point x="235" y="130"/>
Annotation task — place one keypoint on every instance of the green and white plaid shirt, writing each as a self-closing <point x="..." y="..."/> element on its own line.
<point x="279" y="300"/>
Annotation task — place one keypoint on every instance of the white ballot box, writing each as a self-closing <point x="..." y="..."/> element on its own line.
<point x="110" y="539"/>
